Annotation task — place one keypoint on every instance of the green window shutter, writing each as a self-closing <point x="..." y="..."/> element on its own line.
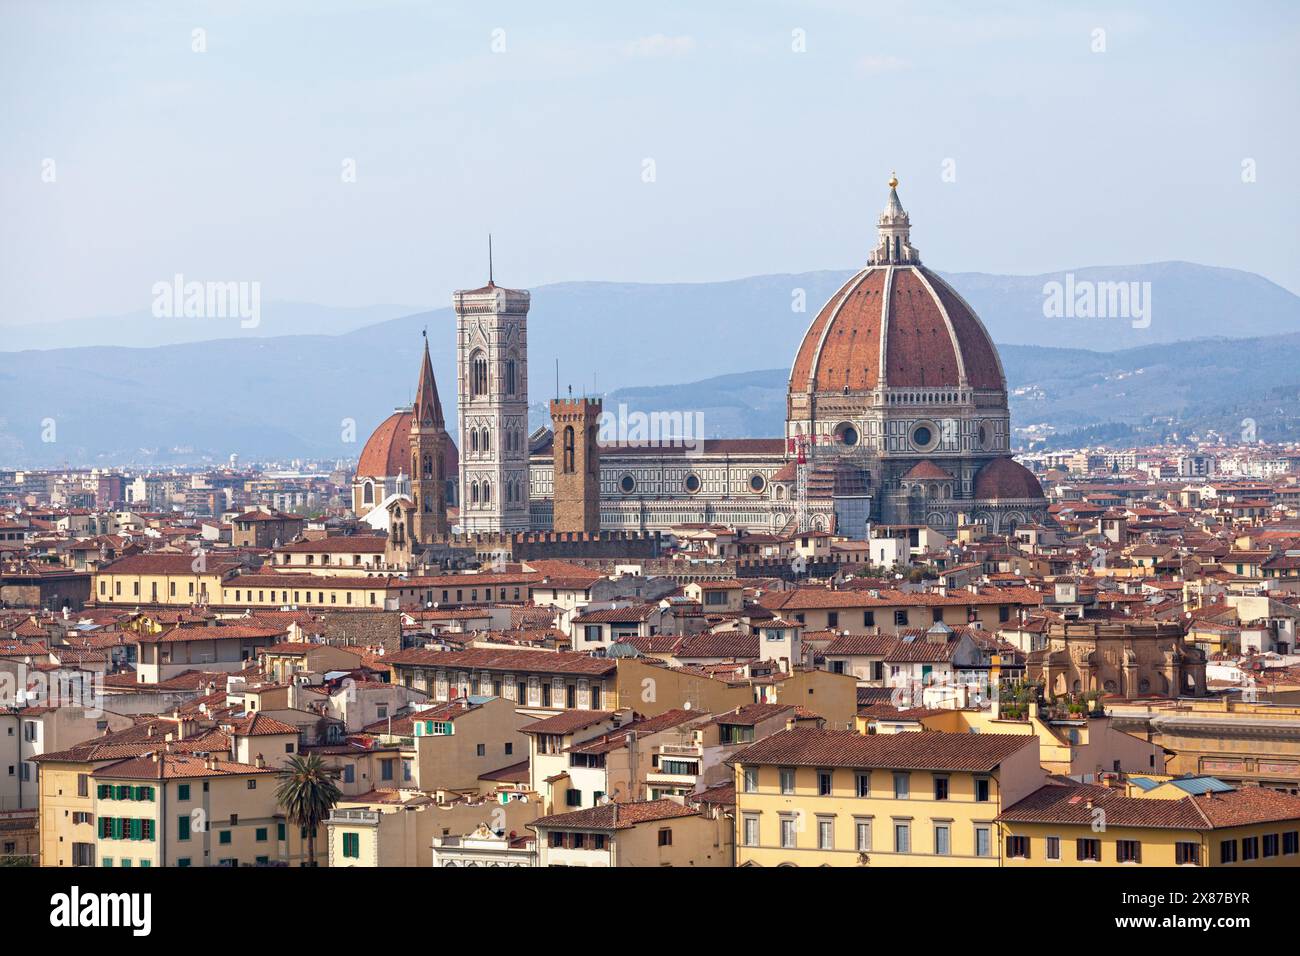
<point x="104" y="790"/>
<point x="183" y="791"/>
<point x="137" y="829"/>
<point x="117" y="828"/>
<point x="261" y="834"/>
<point x="147" y="829"/>
<point x="183" y="826"/>
<point x="279" y="831"/>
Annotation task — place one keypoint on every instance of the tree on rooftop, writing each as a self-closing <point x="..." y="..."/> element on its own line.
<point x="307" y="793"/>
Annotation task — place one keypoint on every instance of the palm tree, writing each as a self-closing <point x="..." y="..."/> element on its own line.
<point x="307" y="792"/>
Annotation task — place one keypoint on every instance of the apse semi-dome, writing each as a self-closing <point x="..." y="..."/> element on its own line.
<point x="896" y="324"/>
<point x="1005" y="478"/>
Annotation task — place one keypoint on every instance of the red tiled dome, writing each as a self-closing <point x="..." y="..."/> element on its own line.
<point x="927" y="469"/>
<point x="930" y="338"/>
<point x="1006" y="478"/>
<point x="385" y="453"/>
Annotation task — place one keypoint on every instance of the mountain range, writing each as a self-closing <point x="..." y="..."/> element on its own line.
<point x="1221" y="346"/>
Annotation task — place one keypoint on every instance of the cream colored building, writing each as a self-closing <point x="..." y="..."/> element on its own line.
<point x="647" y="833"/>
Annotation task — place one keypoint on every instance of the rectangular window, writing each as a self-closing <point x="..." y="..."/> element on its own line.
<point x="902" y="838"/>
<point x="942" y="839"/>
<point x="352" y="845"/>
<point x="182" y="791"/>
<point x="1018" y="847"/>
<point x="1128" y="851"/>
<point x="941" y="788"/>
<point x="1228" y="851"/>
<point x="1291" y="842"/>
<point x="862" y="833"/>
<point x="1088" y="849"/>
<point x="823" y="783"/>
<point x="665" y="837"/>
<point x="183" y="827"/>
<point x="1249" y="848"/>
<point x="864" y="784"/>
<point x="825" y="834"/>
<point x="1053" y="848"/>
<point x="787" y="780"/>
<point x="750" y="833"/>
<point x="749" y="776"/>
<point x="223" y="837"/>
<point x="261" y="834"/>
<point x="787" y="832"/>
<point x="982" y="789"/>
<point x="868" y="618"/>
<point x="573" y="798"/>
<point x="983" y="841"/>
<point x="1270" y="844"/>
<point x="902" y="785"/>
<point x="1187" y="854"/>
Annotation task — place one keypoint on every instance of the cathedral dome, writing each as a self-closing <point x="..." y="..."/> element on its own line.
<point x="1006" y="478"/>
<point x="896" y="324"/>
<point x="388" y="449"/>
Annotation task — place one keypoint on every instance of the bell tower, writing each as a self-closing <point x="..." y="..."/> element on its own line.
<point x="428" y="439"/>
<point x="492" y="387"/>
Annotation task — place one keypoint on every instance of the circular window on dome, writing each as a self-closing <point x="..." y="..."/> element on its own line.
<point x="846" y="434"/>
<point x="924" y="436"/>
<point x="692" y="483"/>
<point x="757" y="483"/>
<point x="627" y="484"/>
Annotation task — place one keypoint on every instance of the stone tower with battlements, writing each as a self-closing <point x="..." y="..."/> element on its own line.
<point x="576" y="494"/>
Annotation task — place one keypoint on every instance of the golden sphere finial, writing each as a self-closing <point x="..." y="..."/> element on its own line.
<point x="893" y="180"/>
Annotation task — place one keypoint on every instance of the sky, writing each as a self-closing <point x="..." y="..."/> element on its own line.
<point x="356" y="153"/>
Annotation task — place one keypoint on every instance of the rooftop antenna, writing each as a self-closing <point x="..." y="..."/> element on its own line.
<point x="557" y="378"/>
<point x="490" y="282"/>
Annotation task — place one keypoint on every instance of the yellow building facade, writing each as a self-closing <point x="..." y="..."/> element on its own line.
<point x="808" y="797"/>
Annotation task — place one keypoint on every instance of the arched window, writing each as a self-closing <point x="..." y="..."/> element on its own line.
<point x="510" y="376"/>
<point x="473" y="492"/>
<point x="428" y="466"/>
<point x="487" y="440"/>
<point x="368" y="493"/>
<point x="487" y="492"/>
<point x="478" y="380"/>
<point x="568" y="449"/>
<point x="473" y="439"/>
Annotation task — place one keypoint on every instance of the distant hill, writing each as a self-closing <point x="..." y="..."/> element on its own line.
<point x="142" y="330"/>
<point x="289" y="396"/>
<point x="1152" y="392"/>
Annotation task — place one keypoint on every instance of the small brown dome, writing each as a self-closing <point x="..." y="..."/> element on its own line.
<point x="1008" y="479"/>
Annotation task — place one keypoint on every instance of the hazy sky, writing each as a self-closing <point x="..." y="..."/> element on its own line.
<point x="535" y="121"/>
